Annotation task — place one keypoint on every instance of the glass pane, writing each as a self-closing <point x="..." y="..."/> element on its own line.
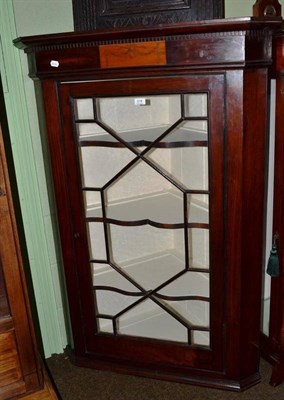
<point x="195" y="105"/>
<point x="113" y="291"/>
<point x="134" y="243"/>
<point x="160" y="269"/>
<point x="93" y="203"/>
<point x="193" y="313"/>
<point x="105" y="325"/>
<point x="189" y="167"/>
<point x="184" y="296"/>
<point x="187" y="133"/>
<point x="138" y="181"/>
<point x="126" y="200"/>
<point x="97" y="244"/>
<point x="144" y="171"/>
<point x="139" y="120"/>
<point x="189" y="284"/>
<point x="164" y="208"/>
<point x="111" y="303"/>
<point x="150" y="321"/>
<point x="83" y="109"/>
<point x="96" y="168"/>
<point x="92" y="132"/>
<point x="198" y="242"/>
<point x="187" y="147"/>
<point x="200" y="338"/>
<point x="198" y="208"/>
<point x="106" y="275"/>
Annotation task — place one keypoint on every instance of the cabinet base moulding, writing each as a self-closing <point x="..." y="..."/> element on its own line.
<point x="274" y="357"/>
<point x="122" y="367"/>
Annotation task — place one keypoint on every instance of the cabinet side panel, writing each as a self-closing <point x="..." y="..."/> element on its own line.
<point x="53" y="123"/>
<point x="234" y="161"/>
<point x="254" y="199"/>
<point x="246" y="171"/>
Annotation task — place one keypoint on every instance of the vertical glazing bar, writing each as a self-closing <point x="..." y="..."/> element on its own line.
<point x="185" y="205"/>
<point x="106" y="230"/>
<point x="114" y="325"/>
<point x="189" y="338"/>
<point x="185" y="213"/>
<point x="95" y="109"/>
<point x="182" y="106"/>
<point x="103" y="202"/>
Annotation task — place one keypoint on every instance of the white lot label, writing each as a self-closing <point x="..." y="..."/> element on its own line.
<point x="140" y="102"/>
<point x="54" y="63"/>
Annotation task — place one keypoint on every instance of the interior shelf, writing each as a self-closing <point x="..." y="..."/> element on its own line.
<point x="160" y="209"/>
<point x="157" y="325"/>
<point x="160" y="266"/>
<point x="181" y="137"/>
<point x="162" y="270"/>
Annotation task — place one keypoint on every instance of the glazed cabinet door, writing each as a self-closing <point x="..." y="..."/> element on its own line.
<point x="144" y="168"/>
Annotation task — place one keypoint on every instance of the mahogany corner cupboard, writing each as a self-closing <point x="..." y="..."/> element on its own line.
<point x="158" y="146"/>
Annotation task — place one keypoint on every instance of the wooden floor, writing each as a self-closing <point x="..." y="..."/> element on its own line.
<point x="47" y="393"/>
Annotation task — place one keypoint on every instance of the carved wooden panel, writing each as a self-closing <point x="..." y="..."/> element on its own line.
<point x="96" y="14"/>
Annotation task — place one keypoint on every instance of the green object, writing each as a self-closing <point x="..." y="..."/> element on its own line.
<point x="38" y="217"/>
<point x="273" y="268"/>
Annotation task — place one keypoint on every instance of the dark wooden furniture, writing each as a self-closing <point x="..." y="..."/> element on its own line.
<point x="98" y="14"/>
<point x="273" y="345"/>
<point x="178" y="104"/>
<point x="267" y="8"/>
<point x="20" y="371"/>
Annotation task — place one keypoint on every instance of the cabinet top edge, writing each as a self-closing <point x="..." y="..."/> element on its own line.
<point x="31" y="43"/>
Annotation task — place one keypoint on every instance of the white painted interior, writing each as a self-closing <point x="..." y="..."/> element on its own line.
<point x="149" y="255"/>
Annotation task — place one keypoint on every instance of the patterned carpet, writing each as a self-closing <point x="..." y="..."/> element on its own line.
<point x="76" y="383"/>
